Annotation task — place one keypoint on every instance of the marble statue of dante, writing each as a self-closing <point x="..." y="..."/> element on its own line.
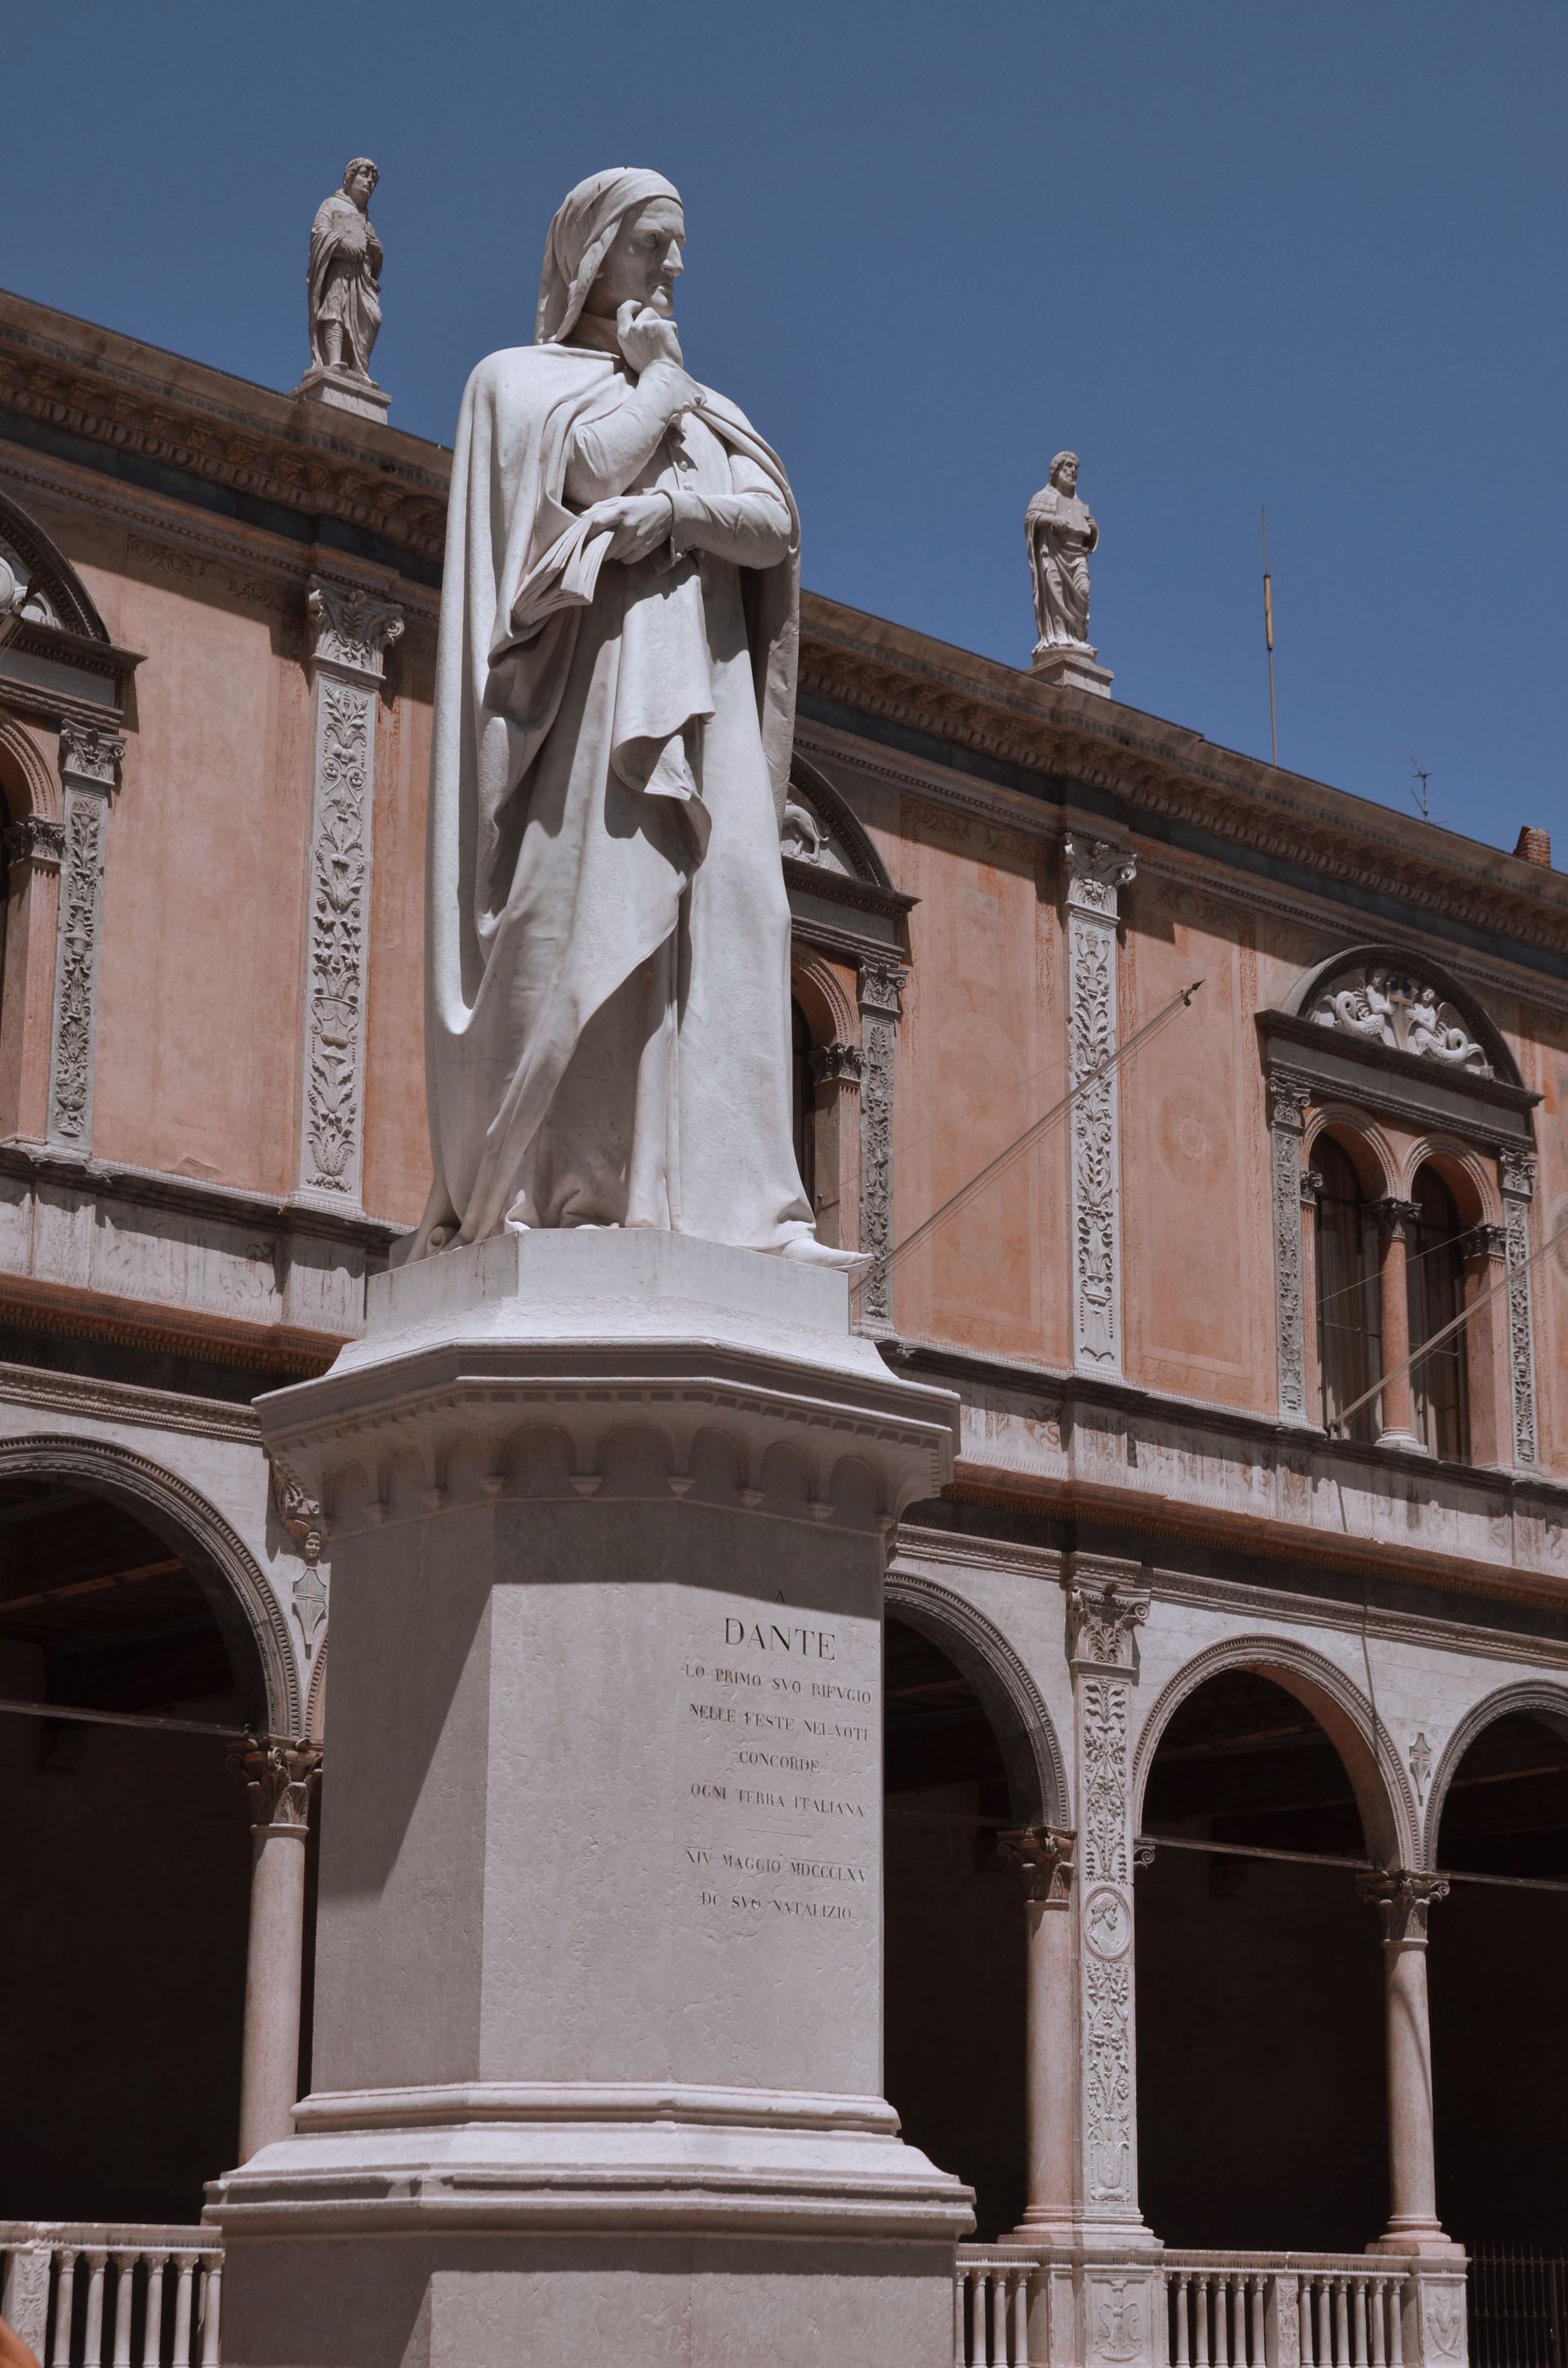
<point x="345" y="275"/>
<point x="1061" y="534"/>
<point x="607" y="980"/>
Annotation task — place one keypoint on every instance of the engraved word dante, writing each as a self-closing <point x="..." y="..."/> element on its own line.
<point x="812" y="1643"/>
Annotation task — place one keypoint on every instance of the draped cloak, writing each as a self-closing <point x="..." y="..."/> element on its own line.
<point x="607" y="951"/>
<point x="342" y="275"/>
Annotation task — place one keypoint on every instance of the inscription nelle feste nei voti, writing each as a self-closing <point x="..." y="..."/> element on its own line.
<point x="779" y="1769"/>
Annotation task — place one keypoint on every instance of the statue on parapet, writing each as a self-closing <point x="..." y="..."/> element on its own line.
<point x="1062" y="534"/>
<point x="345" y="283"/>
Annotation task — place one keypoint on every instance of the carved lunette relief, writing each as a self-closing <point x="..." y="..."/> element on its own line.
<point x="1095" y="871"/>
<point x="352" y="631"/>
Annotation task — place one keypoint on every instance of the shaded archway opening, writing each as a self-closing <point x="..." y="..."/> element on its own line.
<point x="126" y="1863"/>
<point x="1261" y="2113"/>
<point x="954" y="1941"/>
<point x="1496" y="1955"/>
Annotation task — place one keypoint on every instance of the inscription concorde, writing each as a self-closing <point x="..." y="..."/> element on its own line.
<point x="779" y="1765"/>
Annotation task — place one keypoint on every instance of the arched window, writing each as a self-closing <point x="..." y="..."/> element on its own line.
<point x="803" y="1100"/>
<point x="1348" y="1346"/>
<point x="1435" y="1271"/>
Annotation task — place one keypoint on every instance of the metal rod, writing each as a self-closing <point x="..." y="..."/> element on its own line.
<point x="122" y="1718"/>
<point x="1268" y="641"/>
<point x="1505" y="1283"/>
<point x="1350" y="1865"/>
<point x="1003" y="1158"/>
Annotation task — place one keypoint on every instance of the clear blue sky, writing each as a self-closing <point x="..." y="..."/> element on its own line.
<point x="1232" y="251"/>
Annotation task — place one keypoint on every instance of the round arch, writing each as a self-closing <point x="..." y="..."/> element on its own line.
<point x="1389" y="1816"/>
<point x="1363" y="1141"/>
<point x="222" y="1564"/>
<point x="22" y="762"/>
<point x="1535" y="1697"/>
<point x="1037" y="1774"/>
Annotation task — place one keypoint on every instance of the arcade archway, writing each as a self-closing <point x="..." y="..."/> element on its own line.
<point x="127" y="1858"/>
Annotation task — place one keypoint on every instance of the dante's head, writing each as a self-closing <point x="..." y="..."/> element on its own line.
<point x="615" y="237"/>
<point x="359" y="178"/>
<point x="1064" y="472"/>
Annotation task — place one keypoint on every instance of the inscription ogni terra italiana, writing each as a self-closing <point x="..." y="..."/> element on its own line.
<point x="778" y="1771"/>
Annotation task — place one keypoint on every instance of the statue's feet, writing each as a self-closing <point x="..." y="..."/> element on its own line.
<point x="810" y="1252"/>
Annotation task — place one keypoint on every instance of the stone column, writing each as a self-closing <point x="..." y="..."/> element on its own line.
<point x="881" y="1005"/>
<point x="278" y="1776"/>
<point x="1396" y="1429"/>
<point x="89" y="762"/>
<point x="1288" y="1097"/>
<point x="1516" y="1174"/>
<point x="1094" y="871"/>
<point x="836" y="1071"/>
<point x="1045" y="1854"/>
<point x="351" y="632"/>
<point x="1402" y="1901"/>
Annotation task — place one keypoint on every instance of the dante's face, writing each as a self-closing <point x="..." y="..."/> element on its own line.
<point x="360" y="185"/>
<point x="644" y="261"/>
<point x="1067" y="476"/>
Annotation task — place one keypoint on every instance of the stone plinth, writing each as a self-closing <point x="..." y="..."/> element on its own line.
<point x="597" y="2022"/>
<point x="344" y="391"/>
<point x="1074" y="664"/>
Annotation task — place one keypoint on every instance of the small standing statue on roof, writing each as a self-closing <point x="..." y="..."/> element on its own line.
<point x="345" y="283"/>
<point x="1062" y="534"/>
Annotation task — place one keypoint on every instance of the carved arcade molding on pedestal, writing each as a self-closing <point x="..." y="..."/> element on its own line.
<point x="1288" y="1097"/>
<point x="352" y="631"/>
<point x="89" y="761"/>
<point x="881" y="997"/>
<point x="1095" y="871"/>
<point x="1103" y="1616"/>
<point x="1517" y="1174"/>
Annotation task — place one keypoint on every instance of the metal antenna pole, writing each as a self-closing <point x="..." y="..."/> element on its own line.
<point x="1268" y="641"/>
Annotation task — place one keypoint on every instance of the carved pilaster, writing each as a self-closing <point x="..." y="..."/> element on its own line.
<point x="1104" y="1615"/>
<point x="1094" y="871"/>
<point x="89" y="764"/>
<point x="1516" y="1174"/>
<point x="1288" y="1097"/>
<point x="880" y="999"/>
<point x="279" y="1774"/>
<point x="351" y="632"/>
<point x="1045" y="1854"/>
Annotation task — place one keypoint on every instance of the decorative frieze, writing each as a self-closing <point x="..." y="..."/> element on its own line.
<point x="1516" y="1174"/>
<point x="89" y="762"/>
<point x="1289" y="1099"/>
<point x="352" y="631"/>
<point x="880" y="999"/>
<point x="1093" y="872"/>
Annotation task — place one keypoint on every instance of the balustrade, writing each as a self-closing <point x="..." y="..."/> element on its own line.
<point x="95" y="2294"/>
<point x="991" y="2297"/>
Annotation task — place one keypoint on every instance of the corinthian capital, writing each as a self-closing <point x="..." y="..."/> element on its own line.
<point x="1045" y="1854"/>
<point x="1094" y="870"/>
<point x="278" y="1772"/>
<point x="88" y="756"/>
<point x="1401" y="1899"/>
<point x="1101" y="1619"/>
<point x="352" y="629"/>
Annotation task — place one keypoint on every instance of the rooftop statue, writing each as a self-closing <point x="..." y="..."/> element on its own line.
<point x="345" y="276"/>
<point x="1062" y="534"/>
<point x="607" y="1000"/>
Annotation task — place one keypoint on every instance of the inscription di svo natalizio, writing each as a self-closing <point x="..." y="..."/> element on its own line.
<point x="779" y="1769"/>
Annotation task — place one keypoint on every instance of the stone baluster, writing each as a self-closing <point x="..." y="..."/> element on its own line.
<point x="93" y="2333"/>
<point x="89" y="763"/>
<point x="1396" y="1429"/>
<point x="1045" y="1854"/>
<point x="211" y="2304"/>
<point x="1103" y="1615"/>
<point x="184" y="2265"/>
<point x="1094" y="873"/>
<point x="152" y="2317"/>
<point x="65" y="2299"/>
<point x="279" y="1775"/>
<point x="351" y="632"/>
<point x="1403" y="1900"/>
<point x="124" y="2284"/>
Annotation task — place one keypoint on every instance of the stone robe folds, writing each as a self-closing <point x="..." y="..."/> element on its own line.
<point x="609" y="952"/>
<point x="343" y="275"/>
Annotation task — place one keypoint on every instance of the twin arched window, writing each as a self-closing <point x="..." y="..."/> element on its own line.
<point x="1351" y="1287"/>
